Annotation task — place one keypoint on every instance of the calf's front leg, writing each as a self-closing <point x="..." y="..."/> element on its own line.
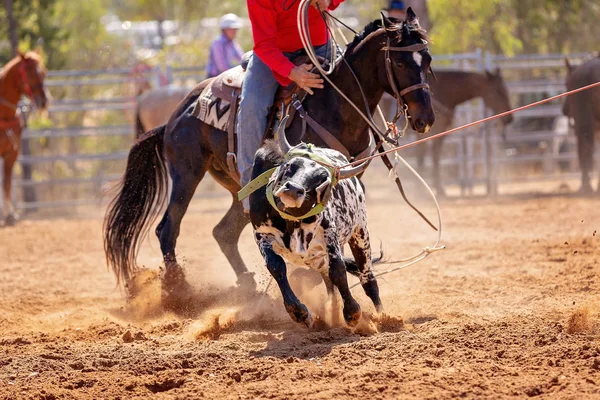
<point x="276" y="266"/>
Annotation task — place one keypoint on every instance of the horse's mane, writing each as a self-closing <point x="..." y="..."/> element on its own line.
<point x="401" y="27"/>
<point x="30" y="55"/>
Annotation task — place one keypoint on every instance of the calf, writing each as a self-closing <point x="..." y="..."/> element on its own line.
<point x="286" y="234"/>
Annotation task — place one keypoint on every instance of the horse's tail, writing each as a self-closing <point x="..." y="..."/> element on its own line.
<point x="142" y="191"/>
<point x="139" y="126"/>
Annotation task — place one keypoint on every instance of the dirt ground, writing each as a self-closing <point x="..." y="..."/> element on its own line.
<point x="509" y="309"/>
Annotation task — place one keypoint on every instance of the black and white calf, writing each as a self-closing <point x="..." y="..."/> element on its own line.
<point x="317" y="241"/>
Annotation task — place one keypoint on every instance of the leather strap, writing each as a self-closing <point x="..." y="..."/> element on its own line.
<point x="231" y="153"/>
<point x="331" y="141"/>
<point x="8" y="104"/>
<point x="412" y="48"/>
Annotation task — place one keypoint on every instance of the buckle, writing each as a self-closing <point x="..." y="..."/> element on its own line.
<point x="297" y="104"/>
<point x="232" y="156"/>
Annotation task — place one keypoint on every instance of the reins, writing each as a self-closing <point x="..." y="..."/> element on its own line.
<point x="303" y="28"/>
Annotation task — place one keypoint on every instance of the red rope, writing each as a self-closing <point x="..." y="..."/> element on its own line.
<point x="493" y="117"/>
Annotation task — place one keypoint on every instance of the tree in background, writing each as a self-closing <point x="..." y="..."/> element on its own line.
<point x="512" y="27"/>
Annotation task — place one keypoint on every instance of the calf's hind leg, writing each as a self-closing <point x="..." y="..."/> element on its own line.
<point x="337" y="274"/>
<point x="360" y="245"/>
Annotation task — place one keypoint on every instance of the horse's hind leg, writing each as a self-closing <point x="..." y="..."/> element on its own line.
<point x="11" y="216"/>
<point x="227" y="234"/>
<point x="585" y="149"/>
<point x="187" y="167"/>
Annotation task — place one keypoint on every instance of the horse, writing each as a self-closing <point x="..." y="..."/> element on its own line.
<point x="451" y="89"/>
<point x="23" y="75"/>
<point x="191" y="148"/>
<point x="584" y="109"/>
<point x="154" y="107"/>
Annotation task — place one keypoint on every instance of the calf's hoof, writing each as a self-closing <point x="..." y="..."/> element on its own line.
<point x="301" y="315"/>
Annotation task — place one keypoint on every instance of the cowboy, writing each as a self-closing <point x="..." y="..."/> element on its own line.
<point x="225" y="52"/>
<point x="397" y="9"/>
<point x="276" y="42"/>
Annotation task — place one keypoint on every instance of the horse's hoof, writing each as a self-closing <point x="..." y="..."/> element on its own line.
<point x="11" y="219"/>
<point x="301" y="315"/>
<point x="586" y="188"/>
<point x="246" y="282"/>
<point x="352" y="314"/>
<point x="177" y="294"/>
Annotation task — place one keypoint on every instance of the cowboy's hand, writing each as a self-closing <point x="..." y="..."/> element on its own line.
<point x="322" y="4"/>
<point x="305" y="79"/>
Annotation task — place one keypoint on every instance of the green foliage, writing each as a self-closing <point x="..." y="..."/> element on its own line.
<point x="511" y="27"/>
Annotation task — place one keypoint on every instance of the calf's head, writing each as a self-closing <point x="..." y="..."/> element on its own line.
<point x="301" y="183"/>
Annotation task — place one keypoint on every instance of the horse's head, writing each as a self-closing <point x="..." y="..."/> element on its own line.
<point x="402" y="66"/>
<point x="496" y="95"/>
<point x="32" y="74"/>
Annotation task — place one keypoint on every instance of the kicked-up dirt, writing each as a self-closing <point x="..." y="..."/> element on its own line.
<point x="509" y="309"/>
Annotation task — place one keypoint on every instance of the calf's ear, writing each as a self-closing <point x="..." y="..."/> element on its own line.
<point x="323" y="191"/>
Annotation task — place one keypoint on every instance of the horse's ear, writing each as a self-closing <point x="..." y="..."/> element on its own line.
<point x="497" y="71"/>
<point x="21" y="54"/>
<point x="568" y="64"/>
<point x="489" y="75"/>
<point x="411" y="17"/>
<point x="386" y="21"/>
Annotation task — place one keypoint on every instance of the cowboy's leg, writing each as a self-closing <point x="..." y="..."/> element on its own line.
<point x="258" y="92"/>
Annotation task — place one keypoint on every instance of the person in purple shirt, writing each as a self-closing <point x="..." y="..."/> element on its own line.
<point x="225" y="52"/>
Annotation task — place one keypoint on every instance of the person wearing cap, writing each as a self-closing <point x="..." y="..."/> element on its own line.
<point x="225" y="52"/>
<point x="397" y="9"/>
<point x="276" y="42"/>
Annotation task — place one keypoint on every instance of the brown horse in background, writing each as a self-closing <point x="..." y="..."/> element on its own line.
<point x="154" y="107"/>
<point x="584" y="109"/>
<point x="451" y="89"/>
<point x="23" y="75"/>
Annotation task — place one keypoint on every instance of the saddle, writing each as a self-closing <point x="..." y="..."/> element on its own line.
<point x="218" y="104"/>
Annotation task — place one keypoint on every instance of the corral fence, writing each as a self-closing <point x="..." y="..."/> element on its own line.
<point x="72" y="156"/>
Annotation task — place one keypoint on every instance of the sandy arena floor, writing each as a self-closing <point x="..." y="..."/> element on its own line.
<point x="510" y="309"/>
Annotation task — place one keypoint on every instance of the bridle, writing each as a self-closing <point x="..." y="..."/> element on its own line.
<point x="401" y="106"/>
<point x="25" y="86"/>
<point x="24" y="81"/>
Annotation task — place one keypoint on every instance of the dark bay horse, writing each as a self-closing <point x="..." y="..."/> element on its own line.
<point x="191" y="148"/>
<point x="23" y="75"/>
<point x="584" y="109"/>
<point x="451" y="89"/>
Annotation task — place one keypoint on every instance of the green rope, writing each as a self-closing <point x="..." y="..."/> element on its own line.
<point x="264" y="178"/>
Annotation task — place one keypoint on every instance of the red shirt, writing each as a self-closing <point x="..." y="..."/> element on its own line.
<point x="275" y="32"/>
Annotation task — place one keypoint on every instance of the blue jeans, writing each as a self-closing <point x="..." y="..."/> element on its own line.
<point x="258" y="93"/>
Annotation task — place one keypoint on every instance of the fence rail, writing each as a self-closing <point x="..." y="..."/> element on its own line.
<point x="477" y="156"/>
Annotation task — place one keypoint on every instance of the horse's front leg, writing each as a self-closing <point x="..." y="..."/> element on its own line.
<point x="276" y="266"/>
<point x="9" y="214"/>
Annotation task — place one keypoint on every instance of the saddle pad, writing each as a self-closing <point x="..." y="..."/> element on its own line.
<point x="213" y="110"/>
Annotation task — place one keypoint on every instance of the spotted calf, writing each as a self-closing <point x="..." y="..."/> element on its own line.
<point x="317" y="241"/>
